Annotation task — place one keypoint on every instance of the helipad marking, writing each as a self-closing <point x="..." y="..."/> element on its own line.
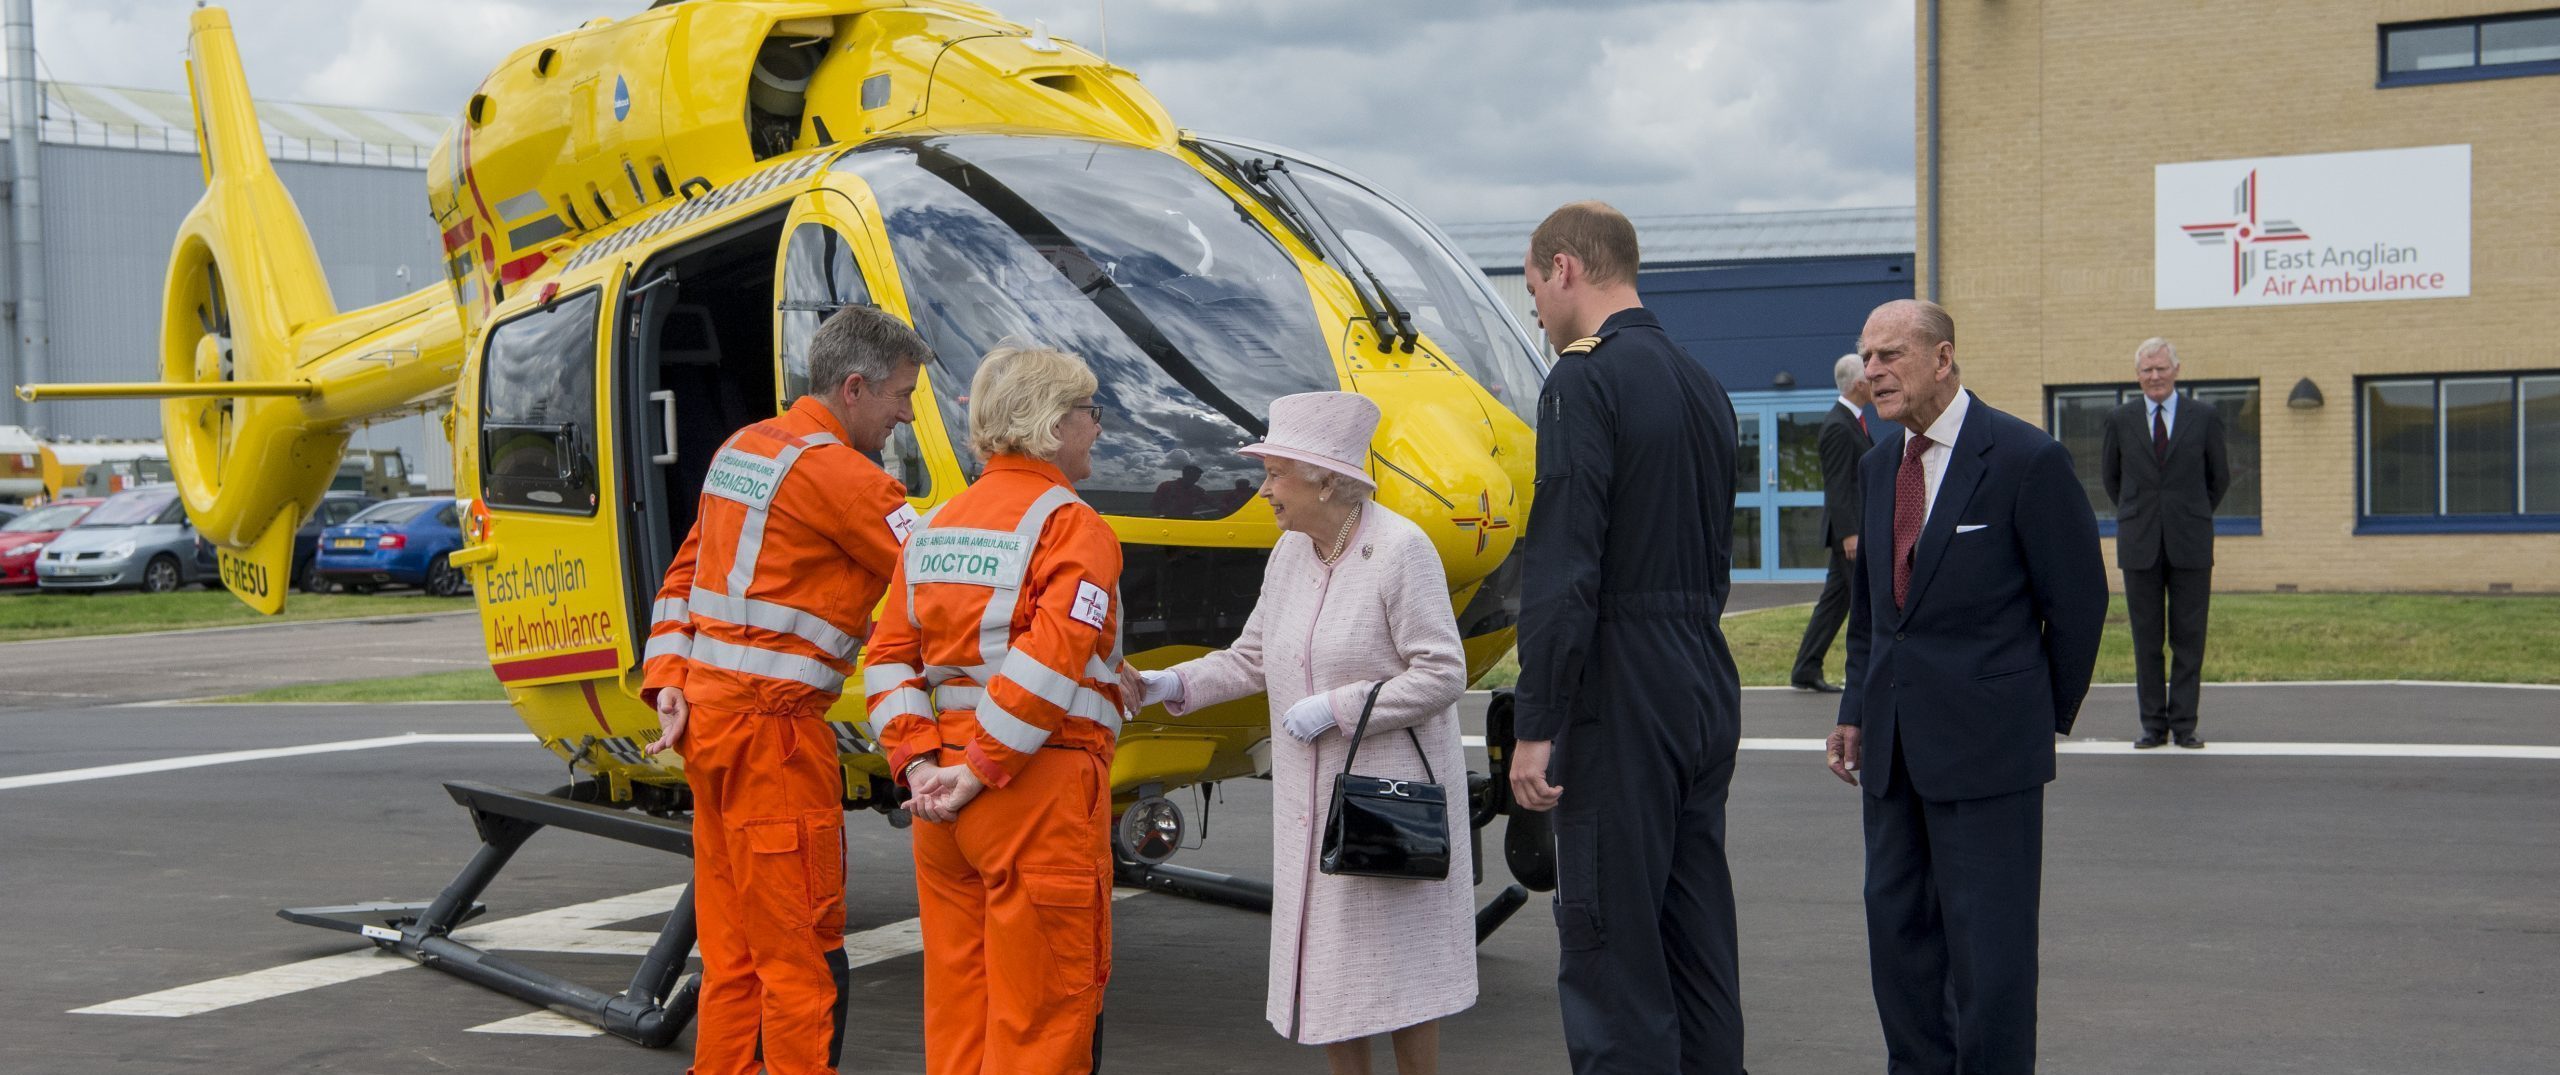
<point x="2229" y="748"/>
<point x="546" y="1023"/>
<point x="220" y="993"/>
<point x="194" y="761"/>
<point x="575" y="929"/>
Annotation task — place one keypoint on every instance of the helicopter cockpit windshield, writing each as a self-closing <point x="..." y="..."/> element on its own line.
<point x="1194" y="319"/>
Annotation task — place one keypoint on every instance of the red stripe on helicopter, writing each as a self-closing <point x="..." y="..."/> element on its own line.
<point x="594" y="660"/>
<point x="521" y="267"/>
<point x="588" y="687"/>
<point x="457" y="235"/>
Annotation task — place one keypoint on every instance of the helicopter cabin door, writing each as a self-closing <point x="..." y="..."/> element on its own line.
<point x="820" y="272"/>
<point x="695" y="366"/>
<point x="550" y="595"/>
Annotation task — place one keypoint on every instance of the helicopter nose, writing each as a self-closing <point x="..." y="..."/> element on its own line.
<point x="1437" y="465"/>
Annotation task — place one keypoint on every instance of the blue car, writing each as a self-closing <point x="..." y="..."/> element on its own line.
<point x="396" y="542"/>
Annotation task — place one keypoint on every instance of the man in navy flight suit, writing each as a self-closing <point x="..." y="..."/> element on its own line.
<point x="1629" y="709"/>
<point x="1974" y="616"/>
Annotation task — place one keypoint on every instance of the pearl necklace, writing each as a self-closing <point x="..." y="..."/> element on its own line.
<point x="1342" y="540"/>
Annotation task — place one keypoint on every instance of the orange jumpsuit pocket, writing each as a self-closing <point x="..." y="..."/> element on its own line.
<point x="824" y="843"/>
<point x="777" y="875"/>
<point x="1069" y="902"/>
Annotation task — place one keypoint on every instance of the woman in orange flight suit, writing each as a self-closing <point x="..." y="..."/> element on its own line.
<point x="993" y="683"/>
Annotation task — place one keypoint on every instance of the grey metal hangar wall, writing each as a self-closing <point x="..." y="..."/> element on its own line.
<point x="110" y="216"/>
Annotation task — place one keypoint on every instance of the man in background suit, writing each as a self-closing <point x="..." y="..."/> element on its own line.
<point x="1844" y="439"/>
<point x="2166" y="468"/>
<point x="1974" y="620"/>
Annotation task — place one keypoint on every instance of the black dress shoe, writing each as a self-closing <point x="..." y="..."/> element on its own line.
<point x="1819" y="686"/>
<point x="2189" y="742"/>
<point x="2148" y="742"/>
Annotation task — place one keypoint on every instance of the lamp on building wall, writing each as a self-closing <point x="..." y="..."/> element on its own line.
<point x="1783" y="380"/>
<point x="2306" y="396"/>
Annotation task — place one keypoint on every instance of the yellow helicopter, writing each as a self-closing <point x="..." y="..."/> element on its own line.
<point x="644" y="221"/>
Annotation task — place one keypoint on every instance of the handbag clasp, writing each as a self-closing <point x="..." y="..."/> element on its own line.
<point x="1396" y="788"/>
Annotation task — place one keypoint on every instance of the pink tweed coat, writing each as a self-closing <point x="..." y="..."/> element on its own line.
<point x="1355" y="956"/>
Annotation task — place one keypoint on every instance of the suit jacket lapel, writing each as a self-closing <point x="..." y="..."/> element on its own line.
<point x="1965" y="469"/>
<point x="2140" y="436"/>
<point x="2190" y="416"/>
<point x="1879" y="509"/>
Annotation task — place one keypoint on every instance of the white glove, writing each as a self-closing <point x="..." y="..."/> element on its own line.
<point x="1311" y="717"/>
<point x="1159" y="685"/>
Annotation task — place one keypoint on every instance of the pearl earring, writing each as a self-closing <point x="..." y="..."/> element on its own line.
<point x="1325" y="495"/>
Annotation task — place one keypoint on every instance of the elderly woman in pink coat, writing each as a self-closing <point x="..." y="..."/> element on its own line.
<point x="1353" y="596"/>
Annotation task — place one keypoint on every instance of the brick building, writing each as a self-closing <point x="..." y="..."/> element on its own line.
<point x="2344" y="213"/>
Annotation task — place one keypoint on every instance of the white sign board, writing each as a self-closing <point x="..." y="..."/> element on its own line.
<point x="2327" y="227"/>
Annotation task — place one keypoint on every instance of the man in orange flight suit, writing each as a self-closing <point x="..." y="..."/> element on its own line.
<point x="760" y="621"/>
<point x="993" y="681"/>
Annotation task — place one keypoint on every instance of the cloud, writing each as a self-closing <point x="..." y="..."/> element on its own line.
<point x="1490" y="110"/>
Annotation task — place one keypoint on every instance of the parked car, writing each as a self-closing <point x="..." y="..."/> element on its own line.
<point x="9" y="513"/>
<point x="334" y="509"/>
<point x="139" y="538"/>
<point x="396" y="542"/>
<point x="25" y="536"/>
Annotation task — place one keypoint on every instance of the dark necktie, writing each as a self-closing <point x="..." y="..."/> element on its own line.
<point x="1862" y="425"/>
<point x="1910" y="509"/>
<point x="2159" y="433"/>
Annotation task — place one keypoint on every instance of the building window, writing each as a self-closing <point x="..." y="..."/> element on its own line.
<point x="2461" y="50"/>
<point x="2078" y="418"/>
<point x="2463" y="452"/>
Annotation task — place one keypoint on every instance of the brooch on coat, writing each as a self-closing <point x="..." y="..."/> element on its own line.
<point x="1365" y="550"/>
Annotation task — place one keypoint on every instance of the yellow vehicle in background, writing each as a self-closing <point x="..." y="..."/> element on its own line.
<point x="645" y="220"/>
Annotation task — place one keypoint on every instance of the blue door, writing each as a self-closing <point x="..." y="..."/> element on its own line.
<point x="1777" y="503"/>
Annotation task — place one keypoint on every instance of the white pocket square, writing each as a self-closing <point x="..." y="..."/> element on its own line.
<point x="1967" y="528"/>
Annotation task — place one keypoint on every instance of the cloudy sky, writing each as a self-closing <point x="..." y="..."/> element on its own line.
<point x="1477" y="110"/>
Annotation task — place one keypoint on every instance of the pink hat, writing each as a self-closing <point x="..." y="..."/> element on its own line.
<point x="1326" y="429"/>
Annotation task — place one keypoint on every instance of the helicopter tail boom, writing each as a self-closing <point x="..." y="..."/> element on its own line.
<point x="261" y="375"/>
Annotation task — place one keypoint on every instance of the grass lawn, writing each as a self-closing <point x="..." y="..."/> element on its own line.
<point x="465" y="685"/>
<point x="2261" y="638"/>
<point x="64" y="615"/>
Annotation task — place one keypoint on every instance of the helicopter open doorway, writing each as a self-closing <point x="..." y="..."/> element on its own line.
<point x="693" y="364"/>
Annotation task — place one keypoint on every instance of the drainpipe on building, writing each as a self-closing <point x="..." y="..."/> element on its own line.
<point x="26" y="209"/>
<point x="1931" y="149"/>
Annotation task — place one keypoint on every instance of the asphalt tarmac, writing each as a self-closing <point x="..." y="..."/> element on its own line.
<point x="2207" y="911"/>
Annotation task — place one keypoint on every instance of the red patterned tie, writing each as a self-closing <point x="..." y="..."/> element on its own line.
<point x="1910" y="509"/>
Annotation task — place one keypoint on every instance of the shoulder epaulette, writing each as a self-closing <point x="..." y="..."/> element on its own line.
<point x="1582" y="346"/>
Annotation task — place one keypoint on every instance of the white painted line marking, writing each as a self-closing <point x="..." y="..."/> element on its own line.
<point x="239" y="989"/>
<point x="1487" y="691"/>
<point x="564" y="929"/>
<point x="547" y="1024"/>
<point x="193" y="761"/>
<point x="577" y="929"/>
<point x="2226" y="747"/>
<point x="2326" y="750"/>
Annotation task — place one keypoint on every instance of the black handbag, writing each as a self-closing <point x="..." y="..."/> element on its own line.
<point x="1386" y="828"/>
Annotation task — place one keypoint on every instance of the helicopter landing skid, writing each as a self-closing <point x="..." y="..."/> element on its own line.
<point x="661" y="998"/>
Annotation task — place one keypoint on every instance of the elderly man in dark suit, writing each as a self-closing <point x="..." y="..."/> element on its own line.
<point x="1973" y="625"/>
<point x="1843" y="440"/>
<point x="2166" y="468"/>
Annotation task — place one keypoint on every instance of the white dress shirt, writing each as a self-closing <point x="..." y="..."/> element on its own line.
<point x="1942" y="439"/>
<point x="2166" y="411"/>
